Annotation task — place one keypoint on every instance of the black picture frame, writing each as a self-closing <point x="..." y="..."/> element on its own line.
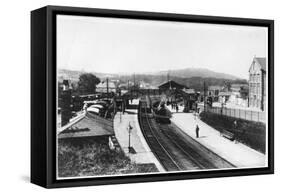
<point x="43" y="96"/>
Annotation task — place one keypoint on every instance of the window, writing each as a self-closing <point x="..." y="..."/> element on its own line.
<point x="216" y="92"/>
<point x="251" y="88"/>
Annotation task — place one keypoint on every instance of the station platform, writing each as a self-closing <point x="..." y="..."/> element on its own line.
<point x="142" y="153"/>
<point x="238" y="154"/>
<point x="180" y="110"/>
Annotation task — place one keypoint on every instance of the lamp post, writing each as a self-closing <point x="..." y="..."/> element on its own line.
<point x="120" y="115"/>
<point x="222" y="106"/>
<point x="129" y="133"/>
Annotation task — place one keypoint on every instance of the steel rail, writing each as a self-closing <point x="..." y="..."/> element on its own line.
<point x="168" y="154"/>
<point x="175" y="140"/>
<point x="156" y="150"/>
<point x="184" y="151"/>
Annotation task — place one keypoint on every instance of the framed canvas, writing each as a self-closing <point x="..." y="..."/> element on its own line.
<point x="126" y="96"/>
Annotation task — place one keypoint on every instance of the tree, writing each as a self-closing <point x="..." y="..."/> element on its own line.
<point x="87" y="83"/>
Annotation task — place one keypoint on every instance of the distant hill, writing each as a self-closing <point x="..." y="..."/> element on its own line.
<point x="74" y="75"/>
<point x="68" y="74"/>
<point x="182" y="73"/>
<point x="197" y="72"/>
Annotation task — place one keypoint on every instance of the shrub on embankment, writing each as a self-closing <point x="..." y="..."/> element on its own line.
<point x="250" y="133"/>
<point x="92" y="158"/>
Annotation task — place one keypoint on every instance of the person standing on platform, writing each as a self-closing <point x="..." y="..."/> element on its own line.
<point x="235" y="125"/>
<point x="197" y="131"/>
<point x="177" y="108"/>
<point x="85" y="106"/>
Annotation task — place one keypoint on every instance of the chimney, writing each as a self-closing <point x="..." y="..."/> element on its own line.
<point x="66" y="103"/>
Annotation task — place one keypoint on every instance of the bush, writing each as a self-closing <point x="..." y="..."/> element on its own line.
<point x="95" y="159"/>
<point x="250" y="133"/>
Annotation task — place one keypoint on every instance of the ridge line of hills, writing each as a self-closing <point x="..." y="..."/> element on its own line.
<point x="190" y="77"/>
<point x="182" y="73"/>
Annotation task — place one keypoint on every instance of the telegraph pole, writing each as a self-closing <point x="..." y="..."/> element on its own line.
<point x="134" y="83"/>
<point x="107" y="91"/>
<point x="128" y="86"/>
<point x="134" y="80"/>
<point x="204" y="88"/>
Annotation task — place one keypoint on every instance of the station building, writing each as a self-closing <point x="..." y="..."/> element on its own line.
<point x="176" y="92"/>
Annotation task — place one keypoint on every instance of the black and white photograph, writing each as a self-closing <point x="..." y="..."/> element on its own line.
<point x="142" y="97"/>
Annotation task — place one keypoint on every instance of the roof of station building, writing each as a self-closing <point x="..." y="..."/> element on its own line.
<point x="89" y="125"/>
<point x="171" y="85"/>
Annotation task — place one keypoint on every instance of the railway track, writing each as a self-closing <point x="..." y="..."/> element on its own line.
<point x="174" y="149"/>
<point x="159" y="150"/>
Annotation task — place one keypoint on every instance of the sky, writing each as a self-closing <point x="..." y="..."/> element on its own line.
<point x="111" y="45"/>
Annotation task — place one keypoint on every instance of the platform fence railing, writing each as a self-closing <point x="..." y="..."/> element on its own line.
<point x="250" y="115"/>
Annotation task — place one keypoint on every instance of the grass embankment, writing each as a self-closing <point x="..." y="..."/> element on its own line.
<point x="250" y="133"/>
<point x="93" y="159"/>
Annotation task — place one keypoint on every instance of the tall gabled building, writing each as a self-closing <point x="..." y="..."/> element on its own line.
<point x="257" y="83"/>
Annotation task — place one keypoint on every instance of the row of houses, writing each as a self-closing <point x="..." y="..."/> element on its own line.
<point x="252" y="94"/>
<point x="235" y="93"/>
